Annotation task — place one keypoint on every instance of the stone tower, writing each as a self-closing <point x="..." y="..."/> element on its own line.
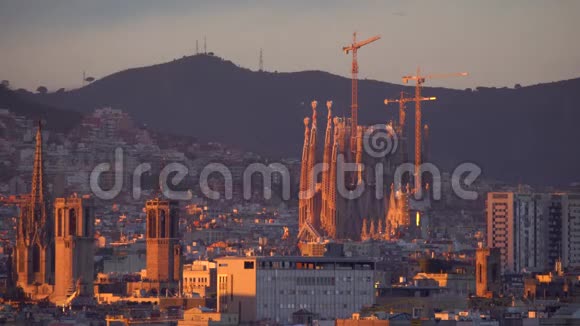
<point x="74" y="242"/>
<point x="487" y="272"/>
<point x="34" y="260"/>
<point x="164" y="264"/>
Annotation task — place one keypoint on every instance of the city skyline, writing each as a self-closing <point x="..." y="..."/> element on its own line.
<point x="52" y="44"/>
<point x="175" y="193"/>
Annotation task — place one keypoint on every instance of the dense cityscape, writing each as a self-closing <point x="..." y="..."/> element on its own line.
<point x="107" y="220"/>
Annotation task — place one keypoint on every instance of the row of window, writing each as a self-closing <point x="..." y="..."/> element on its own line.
<point x="323" y="280"/>
<point x="324" y="306"/>
<point x="162" y="232"/>
<point x="72" y="223"/>
<point x="196" y="279"/>
<point x="323" y="292"/>
<point x="311" y="265"/>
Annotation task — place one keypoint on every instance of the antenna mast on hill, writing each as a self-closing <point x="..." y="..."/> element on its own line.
<point x="261" y="61"/>
<point x="196" y="47"/>
<point x="204" y="45"/>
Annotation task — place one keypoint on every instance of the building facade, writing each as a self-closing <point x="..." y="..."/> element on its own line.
<point x="571" y="230"/>
<point x="164" y="258"/>
<point x="534" y="230"/>
<point x="199" y="278"/>
<point x="274" y="288"/>
<point x="487" y="272"/>
<point x="501" y="228"/>
<point x="34" y="254"/>
<point x="74" y="247"/>
<point x="530" y="218"/>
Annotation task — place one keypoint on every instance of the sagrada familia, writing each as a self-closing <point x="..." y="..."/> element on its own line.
<point x="370" y="205"/>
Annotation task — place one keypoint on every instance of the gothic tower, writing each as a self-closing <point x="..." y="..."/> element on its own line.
<point x="34" y="239"/>
<point x="164" y="265"/>
<point x="74" y="242"/>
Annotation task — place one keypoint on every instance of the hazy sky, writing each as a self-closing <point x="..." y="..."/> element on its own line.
<point x="499" y="42"/>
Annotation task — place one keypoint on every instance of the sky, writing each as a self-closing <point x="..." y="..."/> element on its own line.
<point x="500" y="43"/>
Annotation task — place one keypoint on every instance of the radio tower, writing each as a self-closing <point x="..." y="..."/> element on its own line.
<point x="354" y="106"/>
<point x="261" y="61"/>
<point x="196" y="47"/>
<point x="204" y="45"/>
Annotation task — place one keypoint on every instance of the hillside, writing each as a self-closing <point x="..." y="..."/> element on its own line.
<point x="526" y="134"/>
<point x="21" y="104"/>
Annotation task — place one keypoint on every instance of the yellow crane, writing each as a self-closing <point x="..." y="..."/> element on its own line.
<point x="354" y="106"/>
<point x="419" y="81"/>
<point x="402" y="107"/>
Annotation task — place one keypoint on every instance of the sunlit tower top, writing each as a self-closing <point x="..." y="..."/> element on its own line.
<point x="37" y="194"/>
<point x="354" y="106"/>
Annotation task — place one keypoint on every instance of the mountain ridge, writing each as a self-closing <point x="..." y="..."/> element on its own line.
<point x="513" y="134"/>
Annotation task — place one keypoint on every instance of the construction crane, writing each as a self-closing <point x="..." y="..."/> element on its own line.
<point x="402" y="102"/>
<point x="354" y="106"/>
<point x="13" y="200"/>
<point x="419" y="81"/>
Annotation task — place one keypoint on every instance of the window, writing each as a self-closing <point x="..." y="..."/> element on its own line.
<point x="60" y="222"/>
<point x="162" y="226"/>
<point x="36" y="258"/>
<point x="87" y="219"/>
<point x="174" y="225"/>
<point x="21" y="260"/>
<point x="248" y="265"/>
<point x="72" y="221"/>
<point x="151" y="222"/>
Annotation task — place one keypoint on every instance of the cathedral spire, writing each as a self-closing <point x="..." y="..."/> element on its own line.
<point x="302" y="200"/>
<point x="327" y="156"/>
<point x="313" y="217"/>
<point x="37" y="187"/>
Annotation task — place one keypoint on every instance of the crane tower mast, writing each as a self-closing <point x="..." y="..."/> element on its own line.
<point x="354" y="106"/>
<point x="419" y="81"/>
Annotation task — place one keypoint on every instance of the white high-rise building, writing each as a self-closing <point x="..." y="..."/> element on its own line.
<point x="571" y="230"/>
<point x="274" y="288"/>
<point x="531" y="241"/>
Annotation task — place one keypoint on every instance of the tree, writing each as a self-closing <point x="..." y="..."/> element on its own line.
<point x="517" y="86"/>
<point x="5" y="83"/>
<point x="42" y="90"/>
